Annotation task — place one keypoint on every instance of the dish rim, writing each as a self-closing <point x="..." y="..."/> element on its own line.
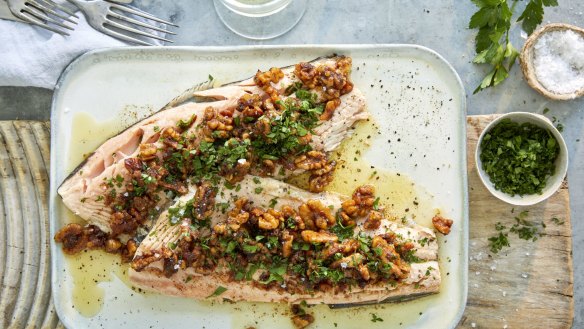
<point x="53" y="185"/>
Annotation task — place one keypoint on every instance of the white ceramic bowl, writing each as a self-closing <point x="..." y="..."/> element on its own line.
<point x="553" y="182"/>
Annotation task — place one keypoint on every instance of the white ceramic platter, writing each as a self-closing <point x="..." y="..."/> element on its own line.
<point x="416" y="99"/>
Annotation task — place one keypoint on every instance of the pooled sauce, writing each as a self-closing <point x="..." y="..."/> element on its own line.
<point x="89" y="268"/>
<point x="397" y="192"/>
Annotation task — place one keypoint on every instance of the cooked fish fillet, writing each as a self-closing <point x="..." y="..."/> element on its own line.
<point x="82" y="191"/>
<point x="423" y="277"/>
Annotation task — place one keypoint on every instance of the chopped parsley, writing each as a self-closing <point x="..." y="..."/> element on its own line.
<point x="496" y="243"/>
<point x="375" y="318"/>
<point x="217" y="292"/>
<point x="518" y="157"/>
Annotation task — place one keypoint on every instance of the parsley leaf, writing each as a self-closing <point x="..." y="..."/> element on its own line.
<point x="492" y="45"/>
<point x="217" y="292"/>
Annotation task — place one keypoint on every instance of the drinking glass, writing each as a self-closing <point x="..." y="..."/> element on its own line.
<point x="260" y="19"/>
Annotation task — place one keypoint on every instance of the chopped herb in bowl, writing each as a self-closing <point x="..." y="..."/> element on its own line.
<point x="518" y="157"/>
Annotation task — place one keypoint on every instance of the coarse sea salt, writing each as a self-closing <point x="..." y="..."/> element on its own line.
<point x="558" y="61"/>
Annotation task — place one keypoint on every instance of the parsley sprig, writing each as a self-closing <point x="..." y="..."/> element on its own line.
<point x="492" y="44"/>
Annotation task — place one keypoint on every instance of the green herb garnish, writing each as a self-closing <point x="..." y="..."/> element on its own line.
<point x="217" y="292"/>
<point x="375" y="318"/>
<point x="518" y="157"/>
<point x="496" y="243"/>
<point x="492" y="45"/>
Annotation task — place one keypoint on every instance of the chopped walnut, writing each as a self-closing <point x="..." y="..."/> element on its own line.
<point x="147" y="151"/>
<point x="287" y="240"/>
<point x="329" y="109"/>
<point x="332" y="78"/>
<point x="112" y="246"/>
<point x="314" y="214"/>
<point x="216" y="126"/>
<point x="364" y="271"/>
<point x="311" y="160"/>
<point x="289" y="212"/>
<point x="320" y="178"/>
<point x="171" y="133"/>
<point x="265" y="79"/>
<point x="361" y="203"/>
<point x="270" y="220"/>
<point x="388" y="255"/>
<point x="373" y="220"/>
<point x="351" y="261"/>
<point x="442" y="224"/>
<point x="300" y="318"/>
<point x="72" y="237"/>
<point x="250" y="105"/>
<point x="318" y="237"/>
<point x="204" y="201"/>
<point x="348" y="246"/>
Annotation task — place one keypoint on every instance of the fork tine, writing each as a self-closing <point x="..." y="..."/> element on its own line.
<point x="52" y="12"/>
<point x="141" y="13"/>
<point x="137" y="22"/>
<point x="35" y="11"/>
<point x="60" y="7"/>
<point x="133" y="30"/>
<point x="126" y="38"/>
<point x="25" y="15"/>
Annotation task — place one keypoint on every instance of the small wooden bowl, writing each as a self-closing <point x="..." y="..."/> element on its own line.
<point x="526" y="61"/>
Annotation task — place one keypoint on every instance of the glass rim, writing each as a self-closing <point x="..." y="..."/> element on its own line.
<point x="272" y="5"/>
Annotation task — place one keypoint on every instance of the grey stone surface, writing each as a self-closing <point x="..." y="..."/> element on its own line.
<point x="439" y="25"/>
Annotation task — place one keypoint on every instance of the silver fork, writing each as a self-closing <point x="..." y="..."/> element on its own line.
<point x="107" y="17"/>
<point x="44" y="13"/>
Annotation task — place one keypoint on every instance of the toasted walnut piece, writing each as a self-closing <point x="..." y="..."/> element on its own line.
<point x="320" y="178"/>
<point x="72" y="237"/>
<point x="129" y="251"/>
<point x="348" y="246"/>
<point x="318" y="237"/>
<point x="250" y="105"/>
<point x="346" y="220"/>
<point x="220" y="228"/>
<point x="442" y="224"/>
<point x="236" y="222"/>
<point x="351" y="261"/>
<point x="270" y="220"/>
<point x="373" y="220"/>
<point x="112" y="246"/>
<point x="289" y="212"/>
<point x="302" y="321"/>
<point x="171" y="133"/>
<point x="389" y="255"/>
<point x="147" y="151"/>
<point x="306" y="73"/>
<point x="264" y="80"/>
<point x="311" y="160"/>
<point x="364" y="196"/>
<point x="361" y="203"/>
<point x="204" y="201"/>
<point x="314" y="214"/>
<point x="133" y="164"/>
<point x="329" y="109"/>
<point x="234" y="174"/>
<point x="287" y="240"/>
<point x="364" y="271"/>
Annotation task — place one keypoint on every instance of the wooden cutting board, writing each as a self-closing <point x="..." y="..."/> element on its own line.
<point x="529" y="284"/>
